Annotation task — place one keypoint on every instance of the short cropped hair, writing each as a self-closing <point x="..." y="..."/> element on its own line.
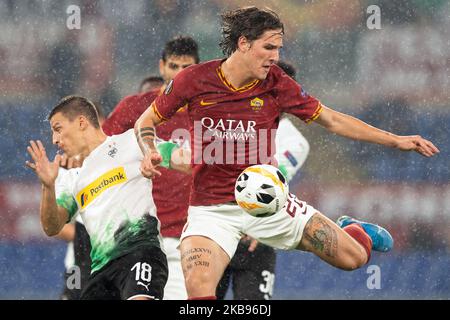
<point x="249" y="22"/>
<point x="181" y="46"/>
<point x="74" y="106"/>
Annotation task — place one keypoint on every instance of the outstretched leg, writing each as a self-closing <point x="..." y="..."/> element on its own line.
<point x="347" y="248"/>
<point x="346" y="244"/>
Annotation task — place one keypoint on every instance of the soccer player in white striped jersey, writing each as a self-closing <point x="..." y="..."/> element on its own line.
<point x="112" y="197"/>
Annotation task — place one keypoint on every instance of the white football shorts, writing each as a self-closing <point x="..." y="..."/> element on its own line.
<point x="225" y="224"/>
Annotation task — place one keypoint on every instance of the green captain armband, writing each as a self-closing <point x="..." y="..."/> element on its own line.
<point x="166" y="149"/>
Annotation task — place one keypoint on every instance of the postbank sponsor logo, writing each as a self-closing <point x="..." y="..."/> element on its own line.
<point x="94" y="189"/>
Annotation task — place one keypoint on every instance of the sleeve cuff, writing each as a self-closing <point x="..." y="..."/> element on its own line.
<point x="158" y="114"/>
<point x="316" y="113"/>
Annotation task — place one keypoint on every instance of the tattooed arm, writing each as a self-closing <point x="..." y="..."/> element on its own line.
<point x="144" y="129"/>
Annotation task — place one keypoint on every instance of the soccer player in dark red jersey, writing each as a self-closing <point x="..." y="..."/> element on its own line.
<point x="251" y="272"/>
<point x="233" y="104"/>
<point x="170" y="192"/>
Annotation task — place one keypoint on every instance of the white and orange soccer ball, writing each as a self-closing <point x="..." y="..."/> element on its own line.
<point x="261" y="190"/>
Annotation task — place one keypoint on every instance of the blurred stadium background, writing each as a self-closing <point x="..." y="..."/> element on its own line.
<point x="396" y="78"/>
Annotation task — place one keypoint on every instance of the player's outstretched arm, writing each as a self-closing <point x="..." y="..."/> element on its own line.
<point x="144" y="129"/>
<point x="53" y="217"/>
<point x="350" y="127"/>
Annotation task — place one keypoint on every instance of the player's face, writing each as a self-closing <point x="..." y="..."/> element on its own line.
<point x="174" y="64"/>
<point x="66" y="134"/>
<point x="264" y="52"/>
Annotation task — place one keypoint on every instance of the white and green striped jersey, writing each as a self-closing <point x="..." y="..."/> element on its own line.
<point x="113" y="198"/>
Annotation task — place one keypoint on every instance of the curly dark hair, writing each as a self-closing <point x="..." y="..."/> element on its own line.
<point x="250" y="22"/>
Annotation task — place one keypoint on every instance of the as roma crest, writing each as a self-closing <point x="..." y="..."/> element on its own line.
<point x="256" y="104"/>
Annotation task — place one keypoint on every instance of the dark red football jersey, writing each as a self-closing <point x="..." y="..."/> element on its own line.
<point x="127" y="111"/>
<point x="231" y="128"/>
<point x="171" y="190"/>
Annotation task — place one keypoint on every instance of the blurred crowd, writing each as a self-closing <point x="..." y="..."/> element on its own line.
<point x="339" y="58"/>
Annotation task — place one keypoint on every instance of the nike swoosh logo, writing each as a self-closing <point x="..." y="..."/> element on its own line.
<point x="204" y="103"/>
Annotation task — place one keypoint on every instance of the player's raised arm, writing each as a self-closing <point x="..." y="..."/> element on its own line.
<point x="144" y="129"/>
<point x="53" y="217"/>
<point x="161" y="109"/>
<point x="350" y="127"/>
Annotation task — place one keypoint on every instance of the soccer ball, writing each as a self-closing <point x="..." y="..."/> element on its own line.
<point x="261" y="190"/>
